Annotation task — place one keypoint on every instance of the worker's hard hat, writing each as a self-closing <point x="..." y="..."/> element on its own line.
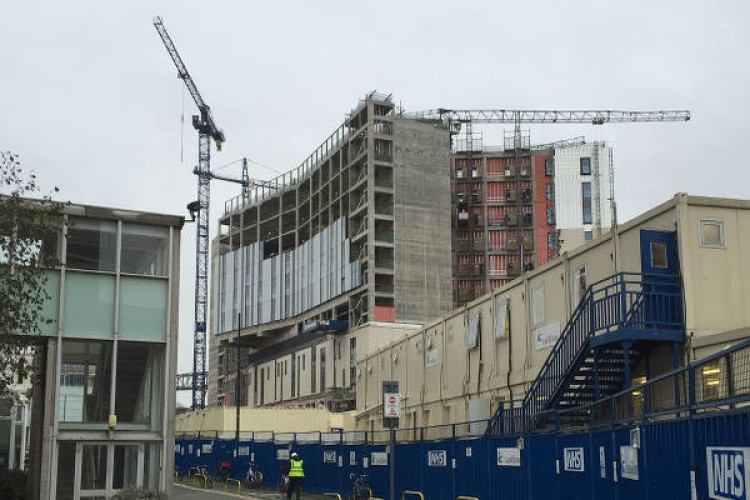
<point x="294" y="455"/>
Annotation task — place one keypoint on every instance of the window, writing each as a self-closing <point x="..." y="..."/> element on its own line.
<point x="537" y="306"/>
<point x="472" y="336"/>
<point x="550" y="191"/>
<point x="585" y="166"/>
<point x="353" y="358"/>
<point x="658" y="255"/>
<point x="712" y="233"/>
<point x="586" y="202"/>
<point x="549" y="167"/>
<point x="588" y="235"/>
<point x="144" y="249"/>
<point x="578" y="286"/>
<point x="323" y="369"/>
<point x="143" y="308"/>
<point x="93" y="466"/>
<point x="85" y="375"/>
<point x="550" y="216"/>
<point x="295" y="360"/>
<point x="125" y="474"/>
<point x="138" y="383"/>
<point x="92" y="244"/>
<point x="551" y="240"/>
<point x="313" y="372"/>
<point x="502" y="318"/>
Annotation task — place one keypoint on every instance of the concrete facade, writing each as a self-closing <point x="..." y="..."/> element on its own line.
<point x="443" y="374"/>
<point x="349" y="238"/>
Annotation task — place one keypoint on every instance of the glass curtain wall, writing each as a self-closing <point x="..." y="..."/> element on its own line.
<point x="115" y="299"/>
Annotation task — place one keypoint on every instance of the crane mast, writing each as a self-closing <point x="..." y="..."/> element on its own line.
<point x="207" y="130"/>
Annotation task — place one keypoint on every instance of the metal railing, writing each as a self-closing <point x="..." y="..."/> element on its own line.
<point x="622" y="301"/>
<point x="717" y="383"/>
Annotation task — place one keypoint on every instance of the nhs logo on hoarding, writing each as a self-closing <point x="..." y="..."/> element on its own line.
<point x="573" y="459"/>
<point x="727" y="472"/>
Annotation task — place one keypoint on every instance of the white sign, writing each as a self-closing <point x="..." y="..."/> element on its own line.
<point x="243" y="451"/>
<point x="573" y="460"/>
<point x="207" y="448"/>
<point x="602" y="463"/>
<point x="329" y="457"/>
<point x="341" y="461"/>
<point x="468" y="451"/>
<point x="431" y="359"/>
<point x="391" y="405"/>
<point x="365" y="462"/>
<point x="508" y="457"/>
<point x="190" y="449"/>
<point x="437" y="458"/>
<point x="352" y="458"/>
<point x="546" y="336"/>
<point x="378" y="458"/>
<point x="728" y="475"/>
<point x="282" y="454"/>
<point x="629" y="463"/>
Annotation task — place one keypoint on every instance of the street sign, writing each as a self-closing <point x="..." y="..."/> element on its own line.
<point x="391" y="405"/>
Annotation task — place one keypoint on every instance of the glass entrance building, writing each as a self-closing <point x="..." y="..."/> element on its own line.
<point x="104" y="385"/>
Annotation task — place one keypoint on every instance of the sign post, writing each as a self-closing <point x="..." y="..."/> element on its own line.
<point x="391" y="414"/>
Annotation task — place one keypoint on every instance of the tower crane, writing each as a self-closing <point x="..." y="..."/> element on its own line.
<point x="207" y="130"/>
<point x="455" y="119"/>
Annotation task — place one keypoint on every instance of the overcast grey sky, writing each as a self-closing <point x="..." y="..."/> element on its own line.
<point x="90" y="100"/>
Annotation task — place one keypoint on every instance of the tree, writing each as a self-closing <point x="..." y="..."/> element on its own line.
<point x="29" y="231"/>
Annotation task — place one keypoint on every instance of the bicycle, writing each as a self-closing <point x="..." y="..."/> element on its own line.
<point x="177" y="475"/>
<point x="202" y="473"/>
<point x="253" y="477"/>
<point x="360" y="489"/>
<point x="221" y="474"/>
<point x="283" y="483"/>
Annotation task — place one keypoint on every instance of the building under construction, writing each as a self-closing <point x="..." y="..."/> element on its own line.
<point x="516" y="207"/>
<point x="359" y="234"/>
<point x="391" y="222"/>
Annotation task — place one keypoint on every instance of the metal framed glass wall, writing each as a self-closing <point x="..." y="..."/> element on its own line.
<point x="111" y="309"/>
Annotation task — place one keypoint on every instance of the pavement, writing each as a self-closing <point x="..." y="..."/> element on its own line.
<point x="189" y="492"/>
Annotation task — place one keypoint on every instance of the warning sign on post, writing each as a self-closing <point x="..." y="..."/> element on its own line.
<point x="392" y="405"/>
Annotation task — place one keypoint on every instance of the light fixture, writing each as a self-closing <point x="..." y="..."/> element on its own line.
<point x="711" y="370"/>
<point x="712" y="382"/>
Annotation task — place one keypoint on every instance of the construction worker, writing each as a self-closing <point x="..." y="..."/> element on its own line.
<point x="296" y="473"/>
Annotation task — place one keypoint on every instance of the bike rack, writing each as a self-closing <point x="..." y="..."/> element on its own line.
<point x="334" y="496"/>
<point x="462" y="497"/>
<point x="414" y="493"/>
<point x="239" y="484"/>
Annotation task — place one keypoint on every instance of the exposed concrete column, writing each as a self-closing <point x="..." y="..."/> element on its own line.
<point x="12" y="439"/>
<point x="24" y="427"/>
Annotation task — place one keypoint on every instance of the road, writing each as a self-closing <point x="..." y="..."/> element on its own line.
<point x="181" y="492"/>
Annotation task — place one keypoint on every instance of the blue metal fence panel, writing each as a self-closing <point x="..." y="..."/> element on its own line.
<point x="588" y="462"/>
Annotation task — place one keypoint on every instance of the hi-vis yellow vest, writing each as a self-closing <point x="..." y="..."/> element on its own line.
<point x="296" y="470"/>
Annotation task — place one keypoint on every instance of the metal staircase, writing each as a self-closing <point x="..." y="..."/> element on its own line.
<point x="600" y="345"/>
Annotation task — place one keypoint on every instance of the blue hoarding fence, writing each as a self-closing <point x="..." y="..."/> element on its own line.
<point x="684" y="434"/>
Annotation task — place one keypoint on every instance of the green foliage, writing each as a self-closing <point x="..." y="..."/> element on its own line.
<point x="29" y="229"/>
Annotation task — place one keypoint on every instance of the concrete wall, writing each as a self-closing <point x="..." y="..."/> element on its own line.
<point x="223" y="420"/>
<point x="438" y="374"/>
<point x="422" y="228"/>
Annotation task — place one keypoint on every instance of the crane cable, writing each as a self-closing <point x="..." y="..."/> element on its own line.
<point x="182" y="129"/>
